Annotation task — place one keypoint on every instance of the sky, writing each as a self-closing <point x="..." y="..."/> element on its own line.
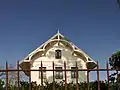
<point x="94" y="26"/>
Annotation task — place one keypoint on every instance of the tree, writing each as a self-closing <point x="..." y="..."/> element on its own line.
<point x="114" y="60"/>
<point x="118" y="3"/>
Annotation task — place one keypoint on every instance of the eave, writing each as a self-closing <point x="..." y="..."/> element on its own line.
<point x="91" y="64"/>
<point x="25" y="65"/>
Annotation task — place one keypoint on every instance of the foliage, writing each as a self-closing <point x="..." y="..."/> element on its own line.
<point x="24" y="85"/>
<point x="94" y="85"/>
<point x="1" y="84"/>
<point x="114" y="60"/>
<point x="118" y="3"/>
<point x="114" y="78"/>
<point x="61" y="86"/>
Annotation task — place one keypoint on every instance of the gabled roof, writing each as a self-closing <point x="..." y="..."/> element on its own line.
<point x="58" y="37"/>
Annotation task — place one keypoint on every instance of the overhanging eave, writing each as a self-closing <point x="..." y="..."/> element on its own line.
<point x="25" y="65"/>
<point x="91" y="64"/>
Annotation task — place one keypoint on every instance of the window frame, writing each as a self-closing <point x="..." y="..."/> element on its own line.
<point x="58" y="54"/>
<point x="73" y="73"/>
<point x="58" y="74"/>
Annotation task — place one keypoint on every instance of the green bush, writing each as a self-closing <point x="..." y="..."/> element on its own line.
<point x="61" y="86"/>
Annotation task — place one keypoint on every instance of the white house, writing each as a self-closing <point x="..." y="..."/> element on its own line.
<point x="58" y="49"/>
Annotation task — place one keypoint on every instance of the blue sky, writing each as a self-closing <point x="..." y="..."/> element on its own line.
<point x="94" y="26"/>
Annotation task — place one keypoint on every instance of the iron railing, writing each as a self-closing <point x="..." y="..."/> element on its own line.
<point x="107" y="69"/>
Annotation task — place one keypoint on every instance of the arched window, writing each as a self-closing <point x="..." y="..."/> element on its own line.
<point x="58" y="54"/>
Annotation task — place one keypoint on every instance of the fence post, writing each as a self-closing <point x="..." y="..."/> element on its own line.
<point x="18" y="75"/>
<point x="53" y="77"/>
<point x="107" y="74"/>
<point x="30" y="86"/>
<point x="41" y="69"/>
<point x="65" y="76"/>
<point x="76" y="76"/>
<point x="88" y="86"/>
<point x="6" y="75"/>
<point x="98" y="79"/>
<point x="117" y="76"/>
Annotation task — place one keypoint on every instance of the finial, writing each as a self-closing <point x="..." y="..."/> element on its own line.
<point x="58" y="31"/>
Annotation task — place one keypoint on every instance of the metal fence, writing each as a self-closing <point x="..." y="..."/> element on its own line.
<point x="97" y="69"/>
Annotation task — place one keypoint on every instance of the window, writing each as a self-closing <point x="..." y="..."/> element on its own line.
<point x="58" y="54"/>
<point x="44" y="72"/>
<point x="58" y="74"/>
<point x="73" y="73"/>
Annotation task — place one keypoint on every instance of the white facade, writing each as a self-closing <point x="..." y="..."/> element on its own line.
<point x="58" y="50"/>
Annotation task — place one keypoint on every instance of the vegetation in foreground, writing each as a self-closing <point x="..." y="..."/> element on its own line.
<point x="114" y="85"/>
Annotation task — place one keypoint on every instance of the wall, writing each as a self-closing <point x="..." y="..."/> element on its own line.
<point x="49" y="57"/>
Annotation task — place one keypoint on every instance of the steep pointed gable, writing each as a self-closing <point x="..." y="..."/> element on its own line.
<point x="58" y="37"/>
